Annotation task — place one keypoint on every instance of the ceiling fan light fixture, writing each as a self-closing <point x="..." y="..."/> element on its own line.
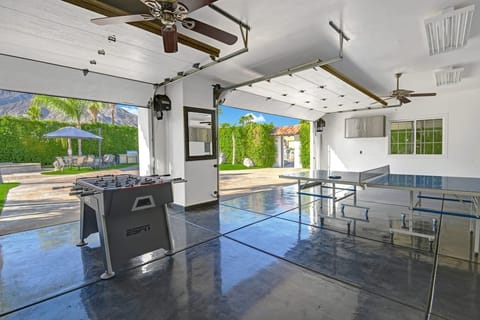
<point x="448" y="76"/>
<point x="449" y="30"/>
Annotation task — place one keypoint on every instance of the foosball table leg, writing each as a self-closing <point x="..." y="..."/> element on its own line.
<point x="107" y="275"/>
<point x="82" y="243"/>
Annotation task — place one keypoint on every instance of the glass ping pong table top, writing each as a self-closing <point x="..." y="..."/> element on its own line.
<point x="437" y="184"/>
<point x="340" y="177"/>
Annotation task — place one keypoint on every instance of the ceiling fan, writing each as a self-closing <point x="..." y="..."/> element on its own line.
<point x="168" y="12"/>
<point x="403" y="95"/>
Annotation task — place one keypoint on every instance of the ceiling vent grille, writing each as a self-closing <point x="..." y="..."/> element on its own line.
<point x="449" y="30"/>
<point x="448" y="76"/>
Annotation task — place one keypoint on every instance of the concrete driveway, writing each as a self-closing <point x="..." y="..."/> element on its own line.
<point x="44" y="200"/>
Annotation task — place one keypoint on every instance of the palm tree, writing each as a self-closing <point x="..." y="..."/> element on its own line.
<point x="112" y="109"/>
<point x="94" y="109"/>
<point x="73" y="109"/>
<point x="34" y="113"/>
<point x="234" y="139"/>
<point x="246" y="119"/>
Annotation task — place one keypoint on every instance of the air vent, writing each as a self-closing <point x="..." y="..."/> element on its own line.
<point x="449" y="30"/>
<point x="448" y="76"/>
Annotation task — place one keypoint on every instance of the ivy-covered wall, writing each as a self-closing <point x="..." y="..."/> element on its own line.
<point x="21" y="140"/>
<point x="252" y="140"/>
<point x="305" y="144"/>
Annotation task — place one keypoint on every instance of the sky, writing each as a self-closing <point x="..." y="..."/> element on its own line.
<point x="232" y="115"/>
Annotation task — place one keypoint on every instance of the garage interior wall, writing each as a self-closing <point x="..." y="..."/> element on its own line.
<point x="461" y="114"/>
<point x="169" y="144"/>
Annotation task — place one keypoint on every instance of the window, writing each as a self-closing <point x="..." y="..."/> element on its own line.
<point x="425" y="135"/>
<point x="429" y="136"/>
<point x="401" y="137"/>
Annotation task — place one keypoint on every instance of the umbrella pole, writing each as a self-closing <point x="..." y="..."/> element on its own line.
<point x="69" y="147"/>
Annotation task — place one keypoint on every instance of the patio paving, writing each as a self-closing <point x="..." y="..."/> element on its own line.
<point x="44" y="200"/>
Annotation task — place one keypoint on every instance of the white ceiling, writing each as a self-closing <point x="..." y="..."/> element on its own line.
<point x="386" y="37"/>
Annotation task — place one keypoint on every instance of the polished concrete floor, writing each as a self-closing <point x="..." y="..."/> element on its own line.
<point x="255" y="257"/>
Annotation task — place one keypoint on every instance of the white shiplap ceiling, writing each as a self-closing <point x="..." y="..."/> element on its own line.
<point x="386" y="37"/>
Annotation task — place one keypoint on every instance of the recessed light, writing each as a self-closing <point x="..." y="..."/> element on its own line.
<point x="112" y="38"/>
<point x="321" y="87"/>
<point x="269" y="98"/>
<point x="284" y="94"/>
<point x="307" y="101"/>
<point x="311" y="109"/>
<point x="341" y="96"/>
<point x="325" y="107"/>
<point x="357" y="102"/>
<point x="101" y="52"/>
<point x="93" y="62"/>
<point x="302" y="91"/>
<point x="340" y="105"/>
<point x="324" y="99"/>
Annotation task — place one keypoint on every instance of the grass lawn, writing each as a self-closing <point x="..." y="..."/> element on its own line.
<point x="4" y="187"/>
<point x="229" y="166"/>
<point x="85" y="170"/>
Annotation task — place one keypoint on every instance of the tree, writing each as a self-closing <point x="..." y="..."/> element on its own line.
<point x="94" y="109"/>
<point x="112" y="109"/>
<point x="73" y="109"/>
<point x="34" y="113"/>
<point x="246" y="119"/>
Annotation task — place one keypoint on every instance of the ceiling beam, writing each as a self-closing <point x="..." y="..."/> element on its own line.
<point x="353" y="84"/>
<point x="153" y="27"/>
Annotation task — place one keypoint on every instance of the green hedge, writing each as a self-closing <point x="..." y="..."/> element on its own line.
<point x="21" y="140"/>
<point x="305" y="144"/>
<point x="253" y="140"/>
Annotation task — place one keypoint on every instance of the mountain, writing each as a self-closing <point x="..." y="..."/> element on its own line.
<point x="16" y="104"/>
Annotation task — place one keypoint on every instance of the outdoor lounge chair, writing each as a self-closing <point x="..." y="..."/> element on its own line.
<point x="59" y="164"/>
<point x="92" y="162"/>
<point x="80" y="162"/>
<point x="108" y="160"/>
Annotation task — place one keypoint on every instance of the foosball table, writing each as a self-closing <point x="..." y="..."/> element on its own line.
<point x="129" y="212"/>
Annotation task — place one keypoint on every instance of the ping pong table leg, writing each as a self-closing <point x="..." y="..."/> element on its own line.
<point x="477" y="236"/>
<point x="299" y="197"/>
<point x="476" y="213"/>
<point x="410" y="223"/>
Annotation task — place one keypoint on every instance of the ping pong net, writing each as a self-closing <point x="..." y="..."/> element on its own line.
<point x="369" y="175"/>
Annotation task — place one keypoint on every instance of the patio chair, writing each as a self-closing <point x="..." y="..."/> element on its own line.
<point x="59" y="164"/>
<point x="80" y="162"/>
<point x="92" y="162"/>
<point x="108" y="160"/>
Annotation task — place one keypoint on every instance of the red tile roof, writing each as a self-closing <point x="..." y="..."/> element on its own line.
<point x="286" y="130"/>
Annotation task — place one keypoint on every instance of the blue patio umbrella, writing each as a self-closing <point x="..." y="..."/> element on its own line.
<point x="71" y="133"/>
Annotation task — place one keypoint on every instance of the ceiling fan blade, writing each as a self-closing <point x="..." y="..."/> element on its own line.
<point x="195" y="4"/>
<point x="170" y="41"/>
<point x="122" y="19"/>
<point x="425" y="94"/>
<point x="209" y="31"/>
<point x="403" y="99"/>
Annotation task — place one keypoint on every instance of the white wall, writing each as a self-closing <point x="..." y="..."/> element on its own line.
<point x="201" y="174"/>
<point x="169" y="146"/>
<point x="461" y="112"/>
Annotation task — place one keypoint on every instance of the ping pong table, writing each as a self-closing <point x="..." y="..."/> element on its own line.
<point x="461" y="189"/>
